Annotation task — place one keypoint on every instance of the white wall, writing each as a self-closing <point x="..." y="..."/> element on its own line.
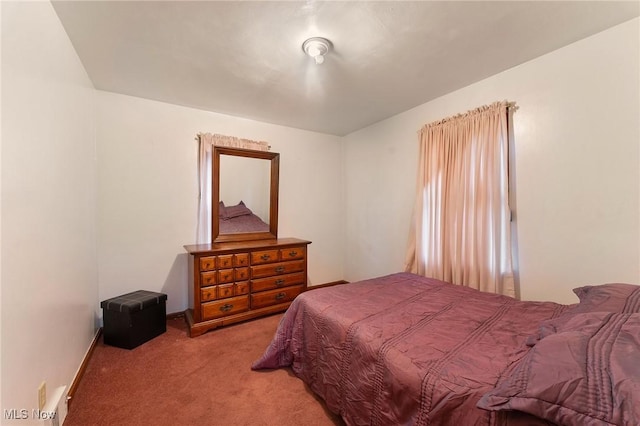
<point x="49" y="266"/>
<point x="577" y="154"/>
<point x="147" y="192"/>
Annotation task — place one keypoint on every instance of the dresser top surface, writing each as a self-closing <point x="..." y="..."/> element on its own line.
<point x="244" y="245"/>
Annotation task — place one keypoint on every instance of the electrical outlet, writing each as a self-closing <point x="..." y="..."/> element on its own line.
<point x="42" y="395"/>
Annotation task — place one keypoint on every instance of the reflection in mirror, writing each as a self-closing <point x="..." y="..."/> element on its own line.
<point x="244" y="180"/>
<point x="245" y="194"/>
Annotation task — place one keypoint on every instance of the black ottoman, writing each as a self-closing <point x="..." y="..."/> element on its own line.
<point x="134" y="318"/>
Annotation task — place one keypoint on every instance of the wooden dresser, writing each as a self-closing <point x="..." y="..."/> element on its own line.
<point x="236" y="281"/>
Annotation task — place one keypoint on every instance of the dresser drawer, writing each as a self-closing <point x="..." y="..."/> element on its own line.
<point x="292" y="253"/>
<point x="265" y="256"/>
<point x="208" y="263"/>
<point x="277" y="269"/>
<point x="225" y="290"/>
<point x="241" y="274"/>
<point x="225" y="276"/>
<point x="209" y="293"/>
<point x="241" y="259"/>
<point x="225" y="307"/>
<point x="277" y="282"/>
<point x="225" y="261"/>
<point x="274" y="297"/>
<point x="242" y="288"/>
<point x="208" y="278"/>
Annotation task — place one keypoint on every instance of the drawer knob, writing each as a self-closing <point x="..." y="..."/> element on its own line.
<point x="226" y="307"/>
<point x="279" y="282"/>
<point x="280" y="296"/>
<point x="280" y="269"/>
<point x="265" y="257"/>
<point x="293" y="253"/>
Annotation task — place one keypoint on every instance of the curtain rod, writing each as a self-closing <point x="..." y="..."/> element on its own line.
<point x="509" y="105"/>
<point x="233" y="141"/>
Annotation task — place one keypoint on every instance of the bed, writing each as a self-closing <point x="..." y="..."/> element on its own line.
<point x="405" y="349"/>
<point x="238" y="219"/>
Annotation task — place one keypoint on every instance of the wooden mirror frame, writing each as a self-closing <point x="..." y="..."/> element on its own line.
<point x="274" y="158"/>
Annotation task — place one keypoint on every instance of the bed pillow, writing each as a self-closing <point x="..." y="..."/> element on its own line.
<point x="608" y="297"/>
<point x="584" y="374"/>
<point x="615" y="297"/>
<point x="222" y="210"/>
<point x="238" y="210"/>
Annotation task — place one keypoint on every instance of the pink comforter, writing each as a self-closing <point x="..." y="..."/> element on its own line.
<point x="244" y="223"/>
<point x="404" y="349"/>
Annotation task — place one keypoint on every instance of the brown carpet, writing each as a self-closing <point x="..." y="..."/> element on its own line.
<point x="206" y="380"/>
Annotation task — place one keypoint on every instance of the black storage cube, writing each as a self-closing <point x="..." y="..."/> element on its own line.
<point x="134" y="318"/>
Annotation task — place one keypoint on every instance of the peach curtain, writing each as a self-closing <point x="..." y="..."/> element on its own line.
<point x="461" y="229"/>
<point x="206" y="142"/>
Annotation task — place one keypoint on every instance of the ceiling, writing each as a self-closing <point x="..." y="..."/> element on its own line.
<point x="245" y="58"/>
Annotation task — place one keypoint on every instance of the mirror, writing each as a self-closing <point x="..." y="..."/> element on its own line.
<point x="244" y="202"/>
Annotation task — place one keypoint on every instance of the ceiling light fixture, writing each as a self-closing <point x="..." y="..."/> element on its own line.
<point x="316" y="47"/>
